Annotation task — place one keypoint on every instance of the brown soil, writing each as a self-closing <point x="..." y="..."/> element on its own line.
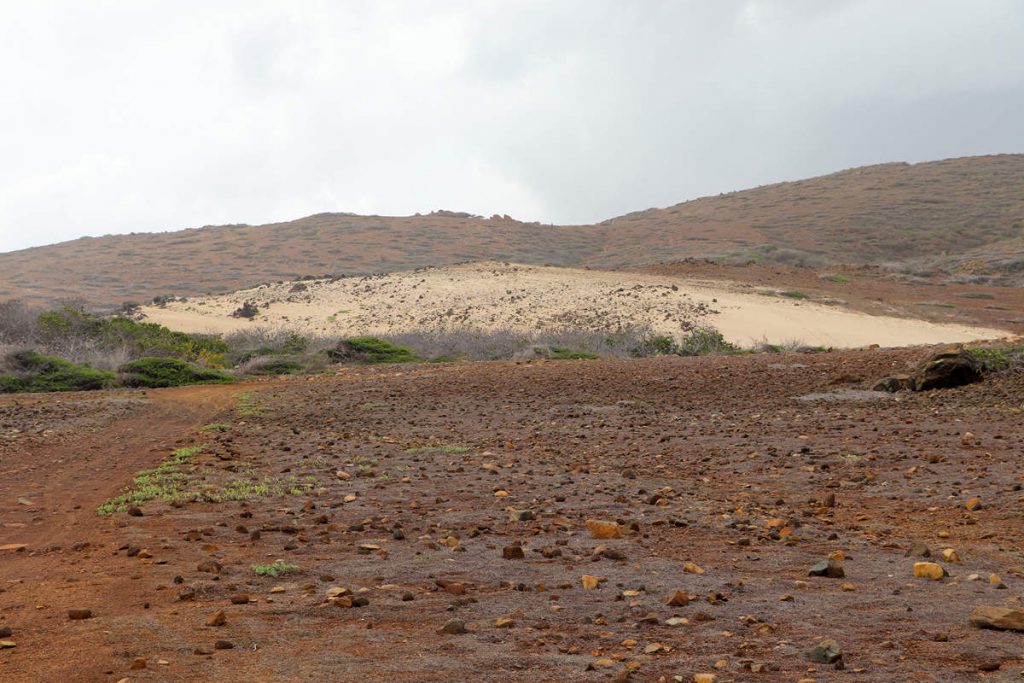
<point x="743" y="452"/>
<point x="963" y="217"/>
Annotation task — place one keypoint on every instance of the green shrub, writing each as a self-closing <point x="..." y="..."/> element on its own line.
<point x="655" y="346"/>
<point x="370" y="350"/>
<point x="275" y="365"/>
<point x="704" y="341"/>
<point x="168" y="372"/>
<point x="997" y="358"/>
<point x="562" y="353"/>
<point x="68" y="327"/>
<point x="35" y="372"/>
<point x="794" y="294"/>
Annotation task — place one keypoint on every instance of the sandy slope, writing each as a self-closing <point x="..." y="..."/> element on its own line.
<point x="492" y="295"/>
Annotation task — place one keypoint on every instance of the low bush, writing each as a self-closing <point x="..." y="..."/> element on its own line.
<point x="33" y="372"/>
<point x="704" y="341"/>
<point x="272" y="365"/>
<point x="168" y="372"/>
<point x="997" y="358"/>
<point x="370" y="350"/>
<point x="562" y="353"/>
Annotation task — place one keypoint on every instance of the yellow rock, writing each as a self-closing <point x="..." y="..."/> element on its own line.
<point x="994" y="580"/>
<point x="589" y="582"/>
<point x="603" y="530"/>
<point x="928" y="570"/>
<point x="703" y="678"/>
<point x="950" y="555"/>
<point x="693" y="568"/>
<point x="973" y="504"/>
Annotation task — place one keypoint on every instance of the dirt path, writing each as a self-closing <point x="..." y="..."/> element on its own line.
<point x="48" y="499"/>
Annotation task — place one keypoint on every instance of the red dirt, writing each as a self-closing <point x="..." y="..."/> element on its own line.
<point x="749" y="463"/>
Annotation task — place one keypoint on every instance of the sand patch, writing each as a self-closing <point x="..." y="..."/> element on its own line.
<point x="493" y="296"/>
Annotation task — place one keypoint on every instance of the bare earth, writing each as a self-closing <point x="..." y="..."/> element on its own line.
<point x="753" y="468"/>
<point x="525" y="298"/>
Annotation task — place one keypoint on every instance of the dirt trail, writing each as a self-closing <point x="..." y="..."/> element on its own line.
<point x="48" y="498"/>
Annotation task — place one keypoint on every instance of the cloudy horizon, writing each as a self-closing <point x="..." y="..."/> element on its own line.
<point x="129" y="117"/>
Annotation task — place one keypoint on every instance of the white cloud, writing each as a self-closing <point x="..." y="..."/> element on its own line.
<point x="122" y="116"/>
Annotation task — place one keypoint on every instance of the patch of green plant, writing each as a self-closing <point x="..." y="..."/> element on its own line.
<point x="166" y="481"/>
<point x="140" y="339"/>
<point x="835" y="278"/>
<point x="660" y="345"/>
<point x="371" y="405"/>
<point x="447" y="448"/>
<point x="997" y="358"/>
<point x="246" y="406"/>
<point x="704" y="341"/>
<point x="155" y="373"/>
<point x="241" y="489"/>
<point x="274" y="569"/>
<point x="276" y="366"/>
<point x="794" y="294"/>
<point x="371" y="350"/>
<point x="35" y="372"/>
<point x="562" y="353"/>
<point x="215" y="427"/>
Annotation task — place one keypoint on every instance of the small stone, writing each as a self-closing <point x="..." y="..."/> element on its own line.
<point x="603" y="530"/>
<point x="210" y="567"/>
<point x="1001" y="618"/>
<point x="848" y="587"/>
<point x="929" y="570"/>
<point x="679" y="599"/>
<point x="521" y="516"/>
<point x="826" y="652"/>
<point x="5" y="632"/>
<point x="240" y="599"/>
<point x="832" y="567"/>
<point x="703" y="678"/>
<point x="676" y="621"/>
<point x="693" y="568"/>
<point x="79" y="614"/>
<point x="589" y="582"/>
<point x="223" y="645"/>
<point x="504" y="622"/>
<point x="7" y="644"/>
<point x="134" y="511"/>
<point x="512" y="552"/>
<point x="994" y="580"/>
<point x="453" y="627"/>
<point x="919" y="550"/>
<point x="950" y="555"/>
<point x="973" y="504"/>
<point x="218" y="618"/>
<point x="138" y="664"/>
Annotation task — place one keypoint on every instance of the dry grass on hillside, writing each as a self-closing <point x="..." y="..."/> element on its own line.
<point x="965" y="216"/>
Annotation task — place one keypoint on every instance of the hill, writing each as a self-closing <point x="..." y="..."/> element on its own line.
<point x="521" y="300"/>
<point x="959" y="217"/>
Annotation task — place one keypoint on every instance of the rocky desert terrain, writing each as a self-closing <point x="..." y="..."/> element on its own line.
<point x="665" y="519"/>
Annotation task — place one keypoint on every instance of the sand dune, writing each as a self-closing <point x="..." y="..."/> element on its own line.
<point x="494" y="295"/>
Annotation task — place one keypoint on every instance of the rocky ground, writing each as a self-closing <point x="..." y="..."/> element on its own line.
<point x="644" y="520"/>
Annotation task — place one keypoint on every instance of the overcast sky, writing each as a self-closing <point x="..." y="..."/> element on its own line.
<point x="137" y="116"/>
